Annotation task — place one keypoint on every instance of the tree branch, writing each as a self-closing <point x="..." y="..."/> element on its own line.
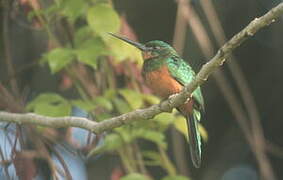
<point x="166" y="106"/>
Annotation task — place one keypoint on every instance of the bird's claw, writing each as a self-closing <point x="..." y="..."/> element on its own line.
<point x="161" y="106"/>
<point x="169" y="101"/>
<point x="188" y="99"/>
<point x="172" y="96"/>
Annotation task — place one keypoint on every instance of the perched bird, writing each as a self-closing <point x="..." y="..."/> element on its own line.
<point x="166" y="73"/>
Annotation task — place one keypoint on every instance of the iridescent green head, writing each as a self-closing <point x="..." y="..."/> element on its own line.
<point x="151" y="49"/>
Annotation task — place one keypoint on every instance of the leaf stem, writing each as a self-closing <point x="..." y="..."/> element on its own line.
<point x="166" y="162"/>
<point x="125" y="161"/>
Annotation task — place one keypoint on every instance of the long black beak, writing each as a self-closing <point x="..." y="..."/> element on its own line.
<point x="136" y="44"/>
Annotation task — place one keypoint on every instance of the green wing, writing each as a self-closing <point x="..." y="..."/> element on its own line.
<point x="184" y="74"/>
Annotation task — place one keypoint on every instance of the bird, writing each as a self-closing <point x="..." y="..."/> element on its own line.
<point x="166" y="73"/>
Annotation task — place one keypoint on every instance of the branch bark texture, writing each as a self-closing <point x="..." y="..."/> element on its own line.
<point x="166" y="106"/>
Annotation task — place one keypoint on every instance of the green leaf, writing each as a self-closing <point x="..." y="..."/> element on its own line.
<point x="151" y="99"/>
<point x="82" y="34"/>
<point x="134" y="98"/>
<point x="89" y="105"/>
<point x="175" y="178"/>
<point x="203" y="132"/>
<point x="121" y="105"/>
<point x="45" y="98"/>
<point x="62" y="109"/>
<point x="50" y="11"/>
<point x="90" y="50"/>
<point x="125" y="134"/>
<point x="151" y="135"/>
<point x="50" y="104"/>
<point x="123" y="51"/>
<point x="101" y="116"/>
<point x="110" y="143"/>
<point x="102" y="101"/>
<point x="164" y="120"/>
<point x="59" y="58"/>
<point x="181" y="125"/>
<point x="110" y="93"/>
<point x="152" y="158"/>
<point x="135" y="176"/>
<point x="102" y="19"/>
<point x="73" y="8"/>
<point x="113" y="141"/>
<point x="83" y="104"/>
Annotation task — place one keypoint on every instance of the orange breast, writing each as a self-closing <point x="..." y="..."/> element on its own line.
<point x="161" y="82"/>
<point x="163" y="85"/>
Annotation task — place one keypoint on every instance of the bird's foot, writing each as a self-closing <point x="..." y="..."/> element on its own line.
<point x="174" y="95"/>
<point x="171" y="97"/>
<point x="165" y="107"/>
<point x="188" y="99"/>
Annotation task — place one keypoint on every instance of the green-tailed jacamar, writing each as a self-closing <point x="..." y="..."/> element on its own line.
<point x="166" y="73"/>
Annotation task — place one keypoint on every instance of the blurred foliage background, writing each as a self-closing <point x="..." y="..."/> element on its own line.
<point x="57" y="59"/>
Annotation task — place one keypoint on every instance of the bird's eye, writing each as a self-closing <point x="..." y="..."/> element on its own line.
<point x="157" y="47"/>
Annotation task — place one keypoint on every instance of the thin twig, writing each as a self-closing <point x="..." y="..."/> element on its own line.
<point x="4" y="163"/>
<point x="7" y="46"/>
<point x="67" y="173"/>
<point x="139" y="159"/>
<point x="166" y="162"/>
<point x="180" y="29"/>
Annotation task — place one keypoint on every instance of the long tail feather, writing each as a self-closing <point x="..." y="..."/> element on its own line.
<point x="194" y="140"/>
